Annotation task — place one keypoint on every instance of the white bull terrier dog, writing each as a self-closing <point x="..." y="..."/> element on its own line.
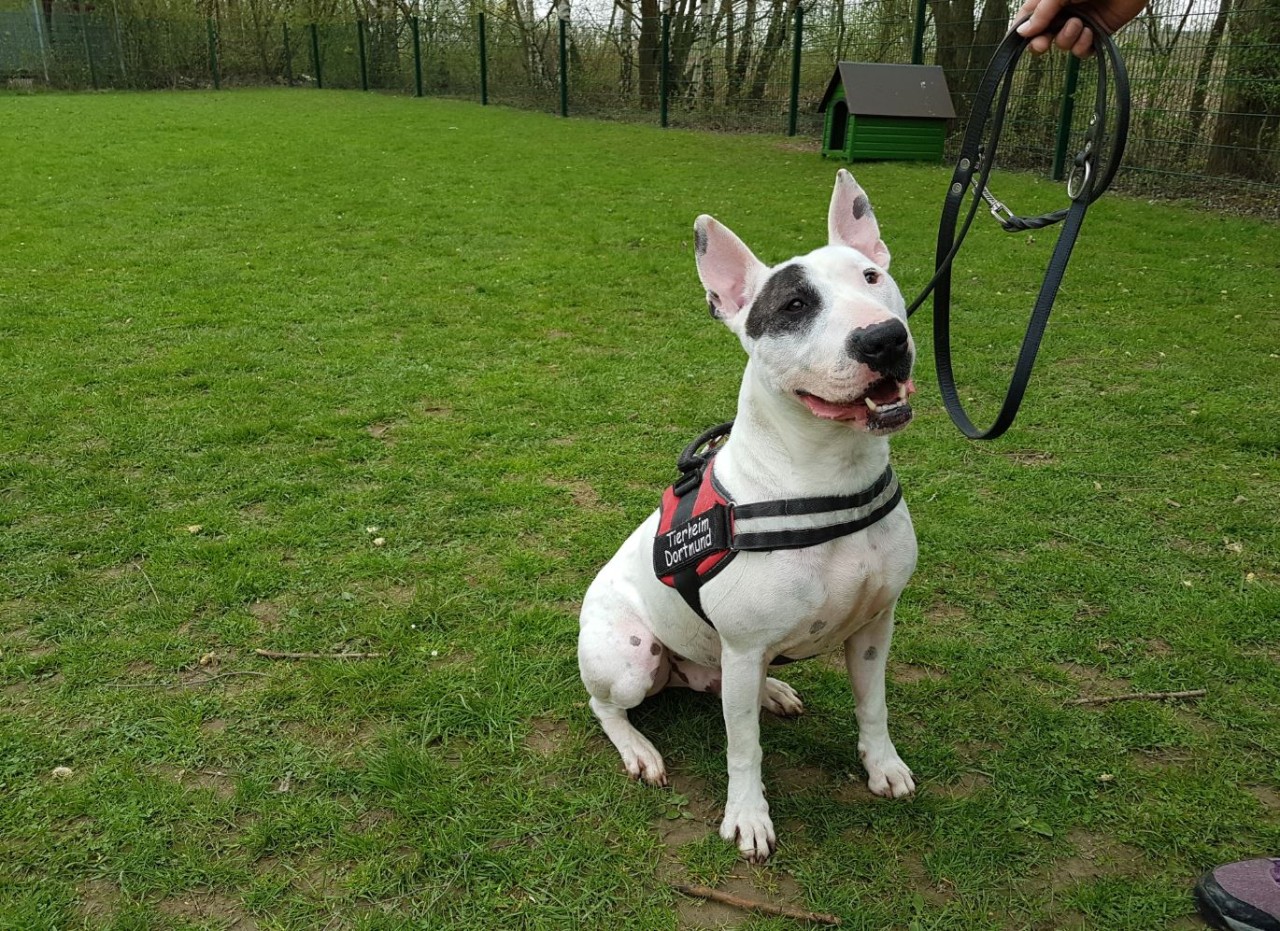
<point x="799" y="542"/>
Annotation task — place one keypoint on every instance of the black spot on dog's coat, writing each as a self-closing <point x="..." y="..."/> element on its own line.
<point x="870" y="654"/>
<point x="861" y="206"/>
<point x="635" y="641"/>
<point x="699" y="241"/>
<point x="655" y="648"/>
<point x="787" y="303"/>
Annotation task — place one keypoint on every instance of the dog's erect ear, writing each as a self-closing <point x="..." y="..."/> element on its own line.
<point x="852" y="222"/>
<point x="729" y="270"/>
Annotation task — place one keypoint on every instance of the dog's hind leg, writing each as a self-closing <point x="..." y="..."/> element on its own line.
<point x="621" y="664"/>
<point x="778" y="697"/>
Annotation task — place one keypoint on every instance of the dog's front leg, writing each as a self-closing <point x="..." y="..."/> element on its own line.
<point x="746" y="813"/>
<point x="866" y="654"/>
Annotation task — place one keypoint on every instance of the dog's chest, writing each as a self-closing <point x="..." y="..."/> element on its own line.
<point x="808" y="601"/>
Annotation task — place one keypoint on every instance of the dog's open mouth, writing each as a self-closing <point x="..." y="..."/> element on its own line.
<point x="880" y="409"/>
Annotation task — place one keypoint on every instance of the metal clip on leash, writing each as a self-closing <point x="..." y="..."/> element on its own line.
<point x="1092" y="171"/>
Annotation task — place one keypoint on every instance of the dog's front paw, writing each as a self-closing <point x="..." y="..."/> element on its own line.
<point x="888" y="776"/>
<point x="750" y="827"/>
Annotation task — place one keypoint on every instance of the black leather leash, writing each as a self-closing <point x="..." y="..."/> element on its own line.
<point x="1091" y="174"/>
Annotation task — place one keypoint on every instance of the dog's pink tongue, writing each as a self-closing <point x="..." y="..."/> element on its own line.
<point x="829" y="410"/>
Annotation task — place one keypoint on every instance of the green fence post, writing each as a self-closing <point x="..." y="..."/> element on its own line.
<point x="213" y="55"/>
<point x="1065" y="114"/>
<point x="417" y="58"/>
<point x="288" y="57"/>
<point x="88" y="51"/>
<point x="917" y="34"/>
<point x="484" y="66"/>
<point x="795" y="71"/>
<point x="364" y="64"/>
<point x="563" y="14"/>
<point x="663" y="73"/>
<point x="315" y="55"/>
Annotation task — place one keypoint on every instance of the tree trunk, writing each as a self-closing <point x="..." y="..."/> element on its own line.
<point x="1203" y="71"/>
<point x="1245" y="137"/>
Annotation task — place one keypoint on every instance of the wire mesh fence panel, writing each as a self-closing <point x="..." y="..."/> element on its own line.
<point x="1206" y="97"/>
<point x="450" y="54"/>
<point x="605" y="70"/>
<point x="523" y="59"/>
<point x="339" y="55"/>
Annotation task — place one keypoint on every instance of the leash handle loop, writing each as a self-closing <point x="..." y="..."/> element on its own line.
<point x="1089" y="179"/>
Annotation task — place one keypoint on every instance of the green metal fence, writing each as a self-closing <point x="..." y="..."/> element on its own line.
<point x="1206" y="73"/>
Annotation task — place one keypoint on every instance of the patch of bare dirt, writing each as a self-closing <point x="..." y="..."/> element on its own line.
<point x="910" y="673"/>
<point x="798" y="778"/>
<point x="1031" y="457"/>
<point x="1159" y="758"/>
<point x="697" y="817"/>
<point x="228" y="913"/>
<point x="583" y="493"/>
<point x="214" y="726"/>
<point x="371" y="820"/>
<point x="941" y="611"/>
<point x="854" y="791"/>
<point x="268" y="613"/>
<point x="383" y="431"/>
<point x="396" y="594"/>
<point x="546" y="736"/>
<point x="1268" y="796"/>
<point x="935" y="892"/>
<point x="1096" y="856"/>
<point x="1091" y="682"/>
<point x="1157" y="647"/>
<point x="220" y="783"/>
<point x="558" y="334"/>
<point x="97" y="901"/>
<point x="563" y="441"/>
<point x="968" y="784"/>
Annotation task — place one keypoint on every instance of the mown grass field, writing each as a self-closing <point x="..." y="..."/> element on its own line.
<point x="246" y="336"/>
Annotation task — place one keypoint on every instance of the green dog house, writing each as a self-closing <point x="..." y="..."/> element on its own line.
<point x="878" y="111"/>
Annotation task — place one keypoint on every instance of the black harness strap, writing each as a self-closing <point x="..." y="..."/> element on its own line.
<point x="1094" y="169"/>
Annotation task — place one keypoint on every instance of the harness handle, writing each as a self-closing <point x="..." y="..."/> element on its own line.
<point x="1087" y="182"/>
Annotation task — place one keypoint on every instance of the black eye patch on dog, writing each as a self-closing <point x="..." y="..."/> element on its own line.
<point x="787" y="303"/>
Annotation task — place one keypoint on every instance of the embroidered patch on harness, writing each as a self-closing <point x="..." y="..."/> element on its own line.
<point x="691" y="542"/>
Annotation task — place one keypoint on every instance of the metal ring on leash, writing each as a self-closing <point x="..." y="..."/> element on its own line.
<point x="1094" y="169"/>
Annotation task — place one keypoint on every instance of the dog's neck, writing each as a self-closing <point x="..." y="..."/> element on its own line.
<point x="778" y="449"/>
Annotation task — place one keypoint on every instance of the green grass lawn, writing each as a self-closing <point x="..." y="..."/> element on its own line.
<point x="331" y="372"/>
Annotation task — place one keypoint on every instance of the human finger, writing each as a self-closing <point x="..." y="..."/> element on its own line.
<point x="1068" y="34"/>
<point x="1084" y="45"/>
<point x="1041" y="15"/>
<point x="1040" y="44"/>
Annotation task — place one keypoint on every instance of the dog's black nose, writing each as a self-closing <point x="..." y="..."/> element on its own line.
<point x="883" y="346"/>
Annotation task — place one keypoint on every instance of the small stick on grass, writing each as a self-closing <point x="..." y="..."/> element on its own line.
<point x="275" y="654"/>
<point x="1140" y="696"/>
<point x="756" y="905"/>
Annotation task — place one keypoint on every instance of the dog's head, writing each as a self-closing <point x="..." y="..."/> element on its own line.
<point x="827" y="330"/>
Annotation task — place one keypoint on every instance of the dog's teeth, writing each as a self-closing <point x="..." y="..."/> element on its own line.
<point x="872" y="404"/>
<point x="902" y="391"/>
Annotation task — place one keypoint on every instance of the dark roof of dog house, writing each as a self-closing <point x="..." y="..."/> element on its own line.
<point x="892" y="90"/>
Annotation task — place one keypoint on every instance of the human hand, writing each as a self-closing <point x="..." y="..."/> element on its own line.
<point x="1074" y="36"/>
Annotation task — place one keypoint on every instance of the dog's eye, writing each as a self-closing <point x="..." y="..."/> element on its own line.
<point x="795" y="306"/>
<point x="871" y="275"/>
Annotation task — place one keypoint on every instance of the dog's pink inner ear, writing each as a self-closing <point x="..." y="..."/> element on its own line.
<point x="728" y="269"/>
<point x="851" y="221"/>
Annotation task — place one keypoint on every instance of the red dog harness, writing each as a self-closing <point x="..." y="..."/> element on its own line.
<point x="701" y="529"/>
